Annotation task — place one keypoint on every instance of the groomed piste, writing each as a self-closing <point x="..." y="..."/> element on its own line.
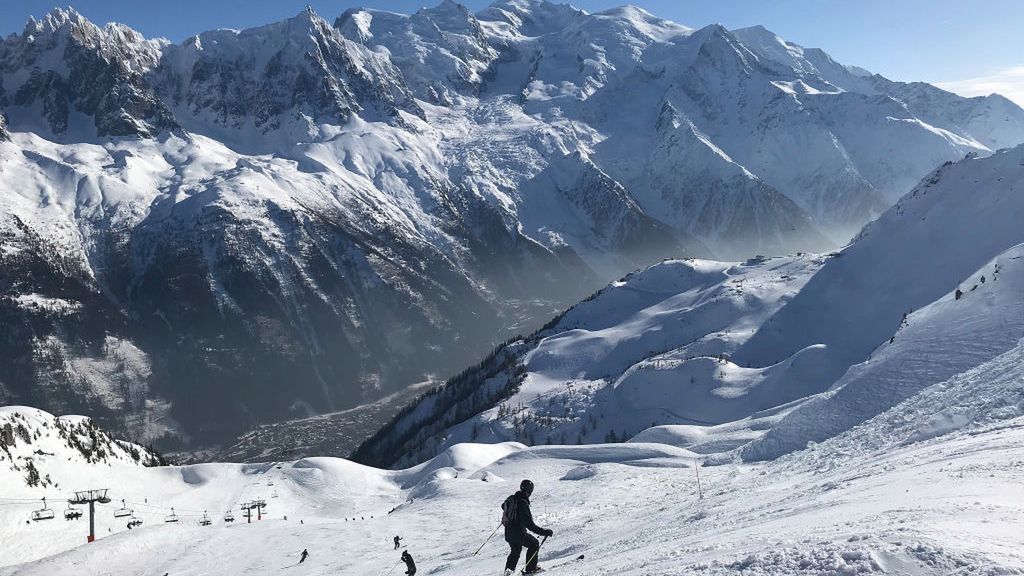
<point x="931" y="486"/>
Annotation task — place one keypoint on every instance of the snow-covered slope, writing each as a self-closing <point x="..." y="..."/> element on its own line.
<point x="38" y="451"/>
<point x="948" y="337"/>
<point x="851" y="505"/>
<point x="651" y="348"/>
<point x="352" y="208"/>
<point x="762" y="357"/>
<point x="952" y="230"/>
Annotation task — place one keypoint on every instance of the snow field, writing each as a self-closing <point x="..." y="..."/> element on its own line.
<point x="865" y="502"/>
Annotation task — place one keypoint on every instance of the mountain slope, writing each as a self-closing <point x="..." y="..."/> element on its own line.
<point x="964" y="214"/>
<point x="652" y="347"/>
<point x="757" y="360"/>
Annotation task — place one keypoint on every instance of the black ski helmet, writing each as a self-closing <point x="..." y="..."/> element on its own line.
<point x="526" y="486"/>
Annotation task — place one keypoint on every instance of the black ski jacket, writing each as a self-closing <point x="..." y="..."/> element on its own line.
<point x="409" y="564"/>
<point x="519" y="518"/>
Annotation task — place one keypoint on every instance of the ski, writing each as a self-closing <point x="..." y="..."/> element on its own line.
<point x="566" y="562"/>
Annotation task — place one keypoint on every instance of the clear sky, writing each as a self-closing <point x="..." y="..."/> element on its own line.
<point x="969" y="46"/>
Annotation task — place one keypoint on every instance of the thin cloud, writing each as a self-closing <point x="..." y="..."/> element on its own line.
<point x="1009" y="83"/>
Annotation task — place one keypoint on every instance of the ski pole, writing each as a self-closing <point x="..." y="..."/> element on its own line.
<point x="535" y="555"/>
<point x="392" y="569"/>
<point x="486" y="541"/>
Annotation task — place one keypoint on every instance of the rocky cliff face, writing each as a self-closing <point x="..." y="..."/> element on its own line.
<point x="64" y="64"/>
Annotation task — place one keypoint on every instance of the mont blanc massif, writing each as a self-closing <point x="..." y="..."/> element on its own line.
<point x="733" y="306"/>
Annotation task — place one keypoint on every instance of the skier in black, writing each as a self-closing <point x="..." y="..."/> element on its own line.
<point x="518" y="520"/>
<point x="398" y="540"/>
<point x="410" y="566"/>
<point x="302" y="558"/>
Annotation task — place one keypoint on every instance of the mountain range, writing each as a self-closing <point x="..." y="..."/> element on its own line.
<point x="759" y="359"/>
<point x="307" y="216"/>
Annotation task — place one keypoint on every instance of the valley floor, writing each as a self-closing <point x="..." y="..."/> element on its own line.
<point x="948" y="505"/>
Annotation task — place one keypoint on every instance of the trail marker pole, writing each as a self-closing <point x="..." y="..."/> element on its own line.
<point x="696" y="469"/>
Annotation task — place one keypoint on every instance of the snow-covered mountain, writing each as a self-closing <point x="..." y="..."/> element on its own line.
<point x="351" y="207"/>
<point x="761" y="358"/>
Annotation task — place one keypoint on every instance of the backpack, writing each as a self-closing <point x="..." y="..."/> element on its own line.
<point x="508" y="510"/>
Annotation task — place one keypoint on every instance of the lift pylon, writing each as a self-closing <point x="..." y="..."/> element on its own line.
<point x="91" y="497"/>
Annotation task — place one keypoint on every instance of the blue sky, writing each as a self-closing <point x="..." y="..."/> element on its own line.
<point x="968" y="46"/>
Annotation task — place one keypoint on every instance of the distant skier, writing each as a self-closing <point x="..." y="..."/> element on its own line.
<point x="410" y="566"/>
<point x="518" y="522"/>
<point x="398" y="542"/>
<point x="305" y="554"/>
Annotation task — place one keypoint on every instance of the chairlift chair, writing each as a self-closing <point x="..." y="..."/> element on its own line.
<point x="229" y="517"/>
<point x="274" y="494"/>
<point x="172" y="517"/>
<point x="43" y="513"/>
<point x="205" y="520"/>
<point x="134" y="522"/>
<point x="122" y="511"/>
<point x="72" y="513"/>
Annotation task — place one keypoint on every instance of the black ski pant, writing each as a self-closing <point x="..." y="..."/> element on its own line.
<point x="532" y="547"/>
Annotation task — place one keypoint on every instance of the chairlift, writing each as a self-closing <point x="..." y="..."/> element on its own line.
<point x="134" y="522"/>
<point x="270" y="483"/>
<point x="274" y="494"/>
<point x="172" y="517"/>
<point x="43" y="513"/>
<point x="72" y="513"/>
<point x="205" y="520"/>
<point x="122" y="511"/>
<point x="229" y="517"/>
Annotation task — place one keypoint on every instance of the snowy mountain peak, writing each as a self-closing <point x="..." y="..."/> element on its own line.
<point x="307" y="21"/>
<point x="452" y="18"/>
<point x="639" y="19"/>
<point x="530" y="18"/>
<point x="292" y="76"/>
<point x="449" y="9"/>
<point x="55" y="19"/>
<point x="64" y="64"/>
